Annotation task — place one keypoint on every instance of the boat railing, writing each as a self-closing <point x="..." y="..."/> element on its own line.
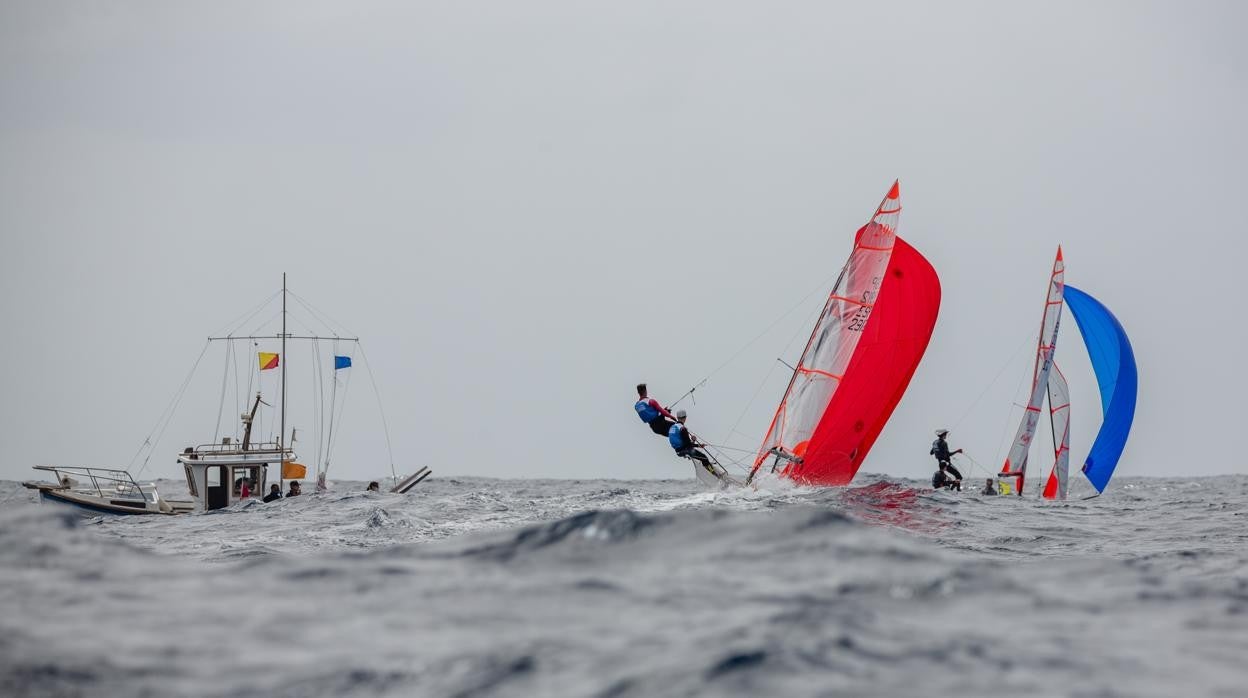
<point x="236" y="449"/>
<point x="118" y="483"/>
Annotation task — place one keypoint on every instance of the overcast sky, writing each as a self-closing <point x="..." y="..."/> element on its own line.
<point x="523" y="209"/>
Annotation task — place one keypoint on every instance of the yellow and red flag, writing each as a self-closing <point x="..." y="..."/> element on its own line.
<point x="267" y="360"/>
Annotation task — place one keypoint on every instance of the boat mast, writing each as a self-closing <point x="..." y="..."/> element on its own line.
<point x="281" y="434"/>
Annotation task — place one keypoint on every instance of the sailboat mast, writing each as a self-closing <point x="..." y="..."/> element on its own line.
<point x="281" y="434"/>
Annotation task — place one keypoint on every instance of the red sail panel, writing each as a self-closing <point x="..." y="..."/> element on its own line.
<point x="889" y="351"/>
<point x="832" y="343"/>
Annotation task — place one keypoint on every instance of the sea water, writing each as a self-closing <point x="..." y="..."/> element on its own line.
<point x="483" y="587"/>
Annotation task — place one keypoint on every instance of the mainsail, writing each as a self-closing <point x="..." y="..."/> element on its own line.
<point x="860" y="357"/>
<point x="1059" y="418"/>
<point x="1016" y="460"/>
<point x="1113" y="361"/>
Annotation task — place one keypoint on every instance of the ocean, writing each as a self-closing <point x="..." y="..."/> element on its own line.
<point x="485" y="587"/>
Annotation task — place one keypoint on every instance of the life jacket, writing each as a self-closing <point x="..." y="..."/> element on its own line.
<point x="646" y="411"/>
<point x="678" y="436"/>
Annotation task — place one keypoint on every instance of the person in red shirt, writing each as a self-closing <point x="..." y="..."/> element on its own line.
<point x="655" y="415"/>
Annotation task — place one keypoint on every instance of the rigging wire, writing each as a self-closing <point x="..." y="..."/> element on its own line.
<point x="239" y="399"/>
<point x="385" y="427"/>
<point x="318" y="393"/>
<point x="329" y="446"/>
<point x="225" y="377"/>
<point x="763" y="383"/>
<point x="769" y="328"/>
<point x="1009" y="362"/>
<point x="1009" y="417"/>
<point x="336" y="328"/>
<point x="166" y="416"/>
<point x="245" y="317"/>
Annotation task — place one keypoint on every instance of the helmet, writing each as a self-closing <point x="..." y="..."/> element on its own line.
<point x="942" y="432"/>
<point x="681" y="414"/>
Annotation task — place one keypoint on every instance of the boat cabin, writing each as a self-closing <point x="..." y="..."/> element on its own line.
<point x="215" y="473"/>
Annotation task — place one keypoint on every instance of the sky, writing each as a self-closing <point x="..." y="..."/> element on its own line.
<point x="524" y="209"/>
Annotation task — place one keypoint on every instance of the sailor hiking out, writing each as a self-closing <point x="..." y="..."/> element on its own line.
<point x="686" y="444"/>
<point x="655" y="415"/>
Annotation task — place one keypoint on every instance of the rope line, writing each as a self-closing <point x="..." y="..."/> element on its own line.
<point x="385" y="427"/>
<point x="166" y="416"/>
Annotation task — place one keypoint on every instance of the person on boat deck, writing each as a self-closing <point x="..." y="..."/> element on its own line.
<point x="989" y="487"/>
<point x="295" y="490"/>
<point x="684" y="443"/>
<point x="275" y="493"/>
<point x="940" y="449"/>
<point x="244" y="488"/>
<point x="941" y="480"/>
<point x="659" y="419"/>
<point x="374" y="486"/>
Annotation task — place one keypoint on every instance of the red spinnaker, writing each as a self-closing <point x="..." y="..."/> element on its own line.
<point x="893" y="343"/>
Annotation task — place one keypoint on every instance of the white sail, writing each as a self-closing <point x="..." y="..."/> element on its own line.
<point x="1059" y="416"/>
<point x="1016" y="460"/>
<point x="836" y="334"/>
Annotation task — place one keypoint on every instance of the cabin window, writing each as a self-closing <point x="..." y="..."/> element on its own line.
<point x="190" y="481"/>
<point x="252" y="473"/>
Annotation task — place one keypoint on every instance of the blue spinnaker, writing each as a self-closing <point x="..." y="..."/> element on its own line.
<point x="1114" y="364"/>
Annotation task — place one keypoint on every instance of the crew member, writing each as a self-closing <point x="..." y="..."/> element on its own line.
<point x="942" y="480"/>
<point x="990" y="487"/>
<point x="940" y="449"/>
<point x="275" y="493"/>
<point x="652" y="413"/>
<point x="685" y="444"/>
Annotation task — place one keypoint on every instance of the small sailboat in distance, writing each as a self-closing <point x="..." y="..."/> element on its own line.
<point x="1114" y="364"/>
<point x="861" y="355"/>
<point x="1015" y="465"/>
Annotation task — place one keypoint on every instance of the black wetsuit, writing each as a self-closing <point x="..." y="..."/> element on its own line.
<point x="940" y="449"/>
<point x="989" y="490"/>
<point x="272" y="497"/>
<point x="661" y="425"/>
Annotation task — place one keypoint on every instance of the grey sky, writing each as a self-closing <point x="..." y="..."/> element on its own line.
<point x="525" y="208"/>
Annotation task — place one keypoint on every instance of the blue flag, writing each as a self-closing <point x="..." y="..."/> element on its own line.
<point x="342" y="362"/>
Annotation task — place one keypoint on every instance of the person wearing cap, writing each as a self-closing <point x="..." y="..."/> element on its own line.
<point x="684" y="443"/>
<point x="656" y="416"/>
<point x="940" y="449"/>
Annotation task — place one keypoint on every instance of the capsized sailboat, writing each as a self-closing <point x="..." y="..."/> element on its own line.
<point x="861" y="355"/>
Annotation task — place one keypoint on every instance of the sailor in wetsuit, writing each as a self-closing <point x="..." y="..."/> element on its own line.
<point x="940" y="449"/>
<point x="685" y="444"/>
<point x="659" y="419"/>
<point x="990" y="487"/>
<point x="942" y="480"/>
